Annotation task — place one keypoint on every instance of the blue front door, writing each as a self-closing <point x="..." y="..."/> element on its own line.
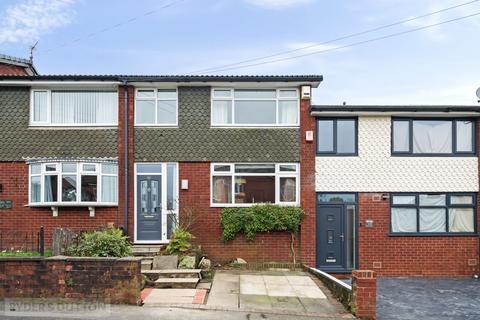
<point x="330" y="237"/>
<point x="149" y="208"/>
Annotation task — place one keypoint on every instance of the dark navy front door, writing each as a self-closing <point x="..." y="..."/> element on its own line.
<point x="149" y="208"/>
<point x="330" y="237"/>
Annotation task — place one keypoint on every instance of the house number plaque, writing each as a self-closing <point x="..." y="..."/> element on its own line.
<point x="5" y="204"/>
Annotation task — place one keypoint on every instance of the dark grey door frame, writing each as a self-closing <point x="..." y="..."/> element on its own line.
<point x="343" y="206"/>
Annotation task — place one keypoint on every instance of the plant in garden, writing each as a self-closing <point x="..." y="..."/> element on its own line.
<point x="180" y="242"/>
<point x="261" y="218"/>
<point x="106" y="243"/>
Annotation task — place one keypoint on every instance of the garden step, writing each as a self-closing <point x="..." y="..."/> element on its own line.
<point x="173" y="273"/>
<point x="177" y="283"/>
<point x="146" y="250"/>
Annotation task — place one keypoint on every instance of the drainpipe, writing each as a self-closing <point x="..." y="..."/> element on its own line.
<point x="125" y="150"/>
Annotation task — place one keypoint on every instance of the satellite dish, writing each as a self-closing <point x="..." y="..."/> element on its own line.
<point x="478" y="93"/>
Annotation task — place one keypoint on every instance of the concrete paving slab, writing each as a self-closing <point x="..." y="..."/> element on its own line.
<point x="279" y="290"/>
<point x="253" y="288"/>
<point x="255" y="302"/>
<point x="286" y="303"/>
<point x="169" y="296"/>
<point x="276" y="280"/>
<point x="226" y="300"/>
<point x="174" y="292"/>
<point x="309" y="292"/>
<point x="251" y="278"/>
<point x="317" y="305"/>
<point x="300" y="281"/>
<point x="219" y="286"/>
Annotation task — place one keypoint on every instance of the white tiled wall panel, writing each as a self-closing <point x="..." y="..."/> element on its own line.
<point x="375" y="170"/>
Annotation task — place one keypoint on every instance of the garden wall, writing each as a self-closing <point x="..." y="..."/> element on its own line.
<point x="110" y="280"/>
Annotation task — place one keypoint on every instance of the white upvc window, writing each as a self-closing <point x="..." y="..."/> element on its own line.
<point x="255" y="107"/>
<point x="245" y="184"/>
<point x="156" y="107"/>
<point x="64" y="107"/>
<point x="73" y="183"/>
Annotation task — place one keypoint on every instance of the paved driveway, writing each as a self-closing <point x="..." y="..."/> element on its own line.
<point x="435" y="299"/>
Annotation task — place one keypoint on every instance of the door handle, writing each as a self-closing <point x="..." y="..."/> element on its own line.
<point x="342" y="236"/>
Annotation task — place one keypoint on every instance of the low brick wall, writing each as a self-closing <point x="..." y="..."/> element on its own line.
<point x="360" y="298"/>
<point x="111" y="280"/>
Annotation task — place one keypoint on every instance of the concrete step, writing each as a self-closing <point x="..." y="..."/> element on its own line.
<point x="177" y="283"/>
<point x="146" y="250"/>
<point x="173" y="273"/>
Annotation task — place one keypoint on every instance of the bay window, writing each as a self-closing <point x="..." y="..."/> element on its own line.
<point x="433" y="213"/>
<point x="73" y="107"/>
<point x="246" y="184"/>
<point x="73" y="183"/>
<point x="433" y="136"/>
<point x="255" y="107"/>
<point x="156" y="107"/>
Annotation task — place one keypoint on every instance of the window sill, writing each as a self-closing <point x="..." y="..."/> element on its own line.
<point x="434" y="155"/>
<point x="247" y="205"/>
<point x="72" y="204"/>
<point x="451" y="234"/>
<point x="337" y="154"/>
<point x="73" y="126"/>
<point x="246" y="126"/>
<point x="158" y="126"/>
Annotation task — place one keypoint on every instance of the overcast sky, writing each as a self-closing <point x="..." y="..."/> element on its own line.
<point x="440" y="65"/>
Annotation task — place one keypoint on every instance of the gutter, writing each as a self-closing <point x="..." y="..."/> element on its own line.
<point x="125" y="150"/>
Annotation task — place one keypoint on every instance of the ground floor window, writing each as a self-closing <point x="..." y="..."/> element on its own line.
<point x="246" y="184"/>
<point x="433" y="213"/>
<point x="73" y="183"/>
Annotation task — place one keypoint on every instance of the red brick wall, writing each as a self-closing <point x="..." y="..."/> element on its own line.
<point x="206" y="223"/>
<point x="115" y="280"/>
<point x="364" y="287"/>
<point x="410" y="256"/>
<point x="12" y="70"/>
<point x="121" y="158"/>
<point x="307" y="185"/>
<point x="14" y="178"/>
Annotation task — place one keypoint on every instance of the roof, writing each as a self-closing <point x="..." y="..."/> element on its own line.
<point x="318" y="109"/>
<point x="15" y="61"/>
<point x="312" y="79"/>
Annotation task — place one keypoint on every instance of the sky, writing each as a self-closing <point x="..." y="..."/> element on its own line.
<point x="439" y="65"/>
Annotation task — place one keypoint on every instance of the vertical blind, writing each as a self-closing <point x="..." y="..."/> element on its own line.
<point x="84" y="107"/>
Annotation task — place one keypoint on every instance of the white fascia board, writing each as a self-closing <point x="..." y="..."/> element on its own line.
<point x="232" y="84"/>
<point x="400" y="114"/>
<point x="43" y="83"/>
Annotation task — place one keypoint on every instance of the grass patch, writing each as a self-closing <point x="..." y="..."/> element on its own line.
<point x="23" y="254"/>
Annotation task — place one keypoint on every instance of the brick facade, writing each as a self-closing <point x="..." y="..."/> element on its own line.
<point x="433" y="256"/>
<point x="14" y="178"/>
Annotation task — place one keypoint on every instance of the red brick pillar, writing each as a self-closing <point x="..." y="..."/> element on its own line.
<point x="364" y="286"/>
<point x="307" y="187"/>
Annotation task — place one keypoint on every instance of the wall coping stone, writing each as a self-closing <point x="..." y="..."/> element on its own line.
<point x="36" y="258"/>
<point x="68" y="258"/>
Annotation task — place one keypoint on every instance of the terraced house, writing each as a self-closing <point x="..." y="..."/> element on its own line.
<point x="388" y="188"/>
<point x="135" y="151"/>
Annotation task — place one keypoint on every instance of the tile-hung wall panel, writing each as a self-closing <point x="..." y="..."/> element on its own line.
<point x="375" y="170"/>
<point x="196" y="140"/>
<point x="18" y="140"/>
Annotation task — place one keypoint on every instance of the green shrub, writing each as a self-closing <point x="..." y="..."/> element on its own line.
<point x="259" y="218"/>
<point x="106" y="243"/>
<point x="180" y="242"/>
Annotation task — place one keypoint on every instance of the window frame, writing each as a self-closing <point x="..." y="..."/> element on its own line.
<point x="277" y="174"/>
<point x="334" y="152"/>
<point x="447" y="206"/>
<point x="156" y="99"/>
<point x="277" y="100"/>
<point x="78" y="184"/>
<point x="454" y="152"/>
<point x="49" y="123"/>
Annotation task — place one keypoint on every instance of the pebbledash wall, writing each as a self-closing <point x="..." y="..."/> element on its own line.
<point x="375" y="172"/>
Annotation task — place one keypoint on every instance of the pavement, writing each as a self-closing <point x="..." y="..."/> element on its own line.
<point x="293" y="292"/>
<point x="428" y="299"/>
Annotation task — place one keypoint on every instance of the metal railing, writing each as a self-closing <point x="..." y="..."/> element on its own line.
<point x="14" y="240"/>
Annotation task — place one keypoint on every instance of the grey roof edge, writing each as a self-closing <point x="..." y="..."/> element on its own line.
<point x="19" y="62"/>
<point x="394" y="108"/>
<point x="170" y="78"/>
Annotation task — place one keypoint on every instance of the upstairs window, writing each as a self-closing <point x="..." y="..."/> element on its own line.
<point x="255" y="107"/>
<point x="74" y="107"/>
<point x="433" y="137"/>
<point x="73" y="183"/>
<point x="337" y="137"/>
<point x="156" y="107"/>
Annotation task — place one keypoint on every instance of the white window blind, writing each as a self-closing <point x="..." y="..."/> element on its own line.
<point x="68" y="107"/>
